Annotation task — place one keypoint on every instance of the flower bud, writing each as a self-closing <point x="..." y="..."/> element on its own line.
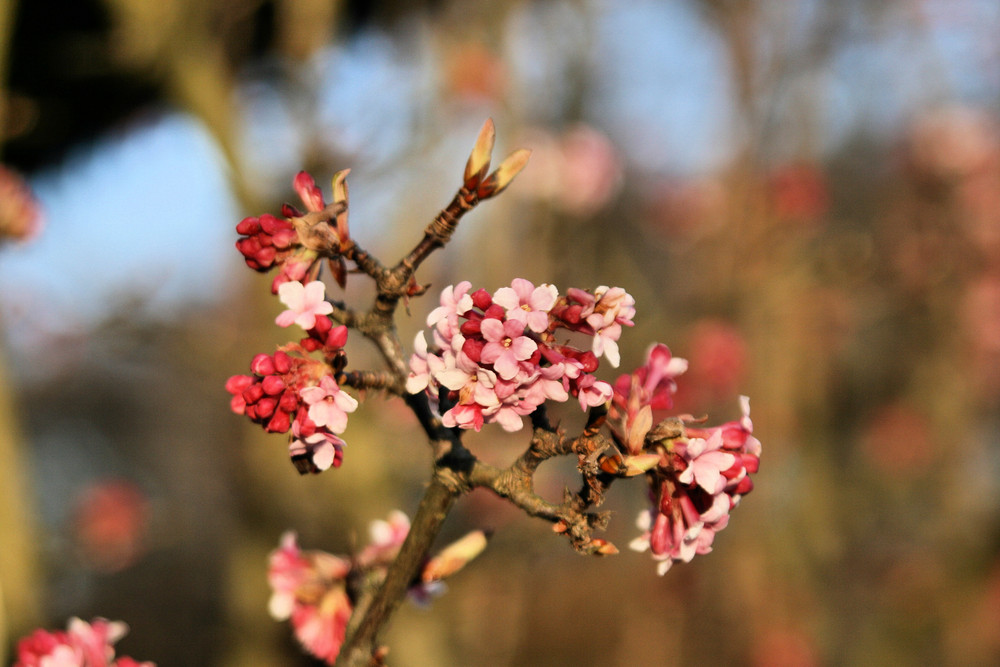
<point x="273" y="385"/>
<point x="262" y="364"/>
<point x="481" y="299"/>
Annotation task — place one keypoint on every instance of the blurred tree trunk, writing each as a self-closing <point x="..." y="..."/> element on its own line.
<point x="18" y="549"/>
<point x="19" y="574"/>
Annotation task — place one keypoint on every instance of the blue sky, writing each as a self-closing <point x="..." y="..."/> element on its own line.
<point x="146" y="213"/>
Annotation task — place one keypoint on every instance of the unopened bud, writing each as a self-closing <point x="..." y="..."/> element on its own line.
<point x="262" y="364"/>
<point x="637" y="465"/>
<point x="603" y="547"/>
<point x="454" y="556"/>
<point x="479" y="159"/>
<point x="498" y="181"/>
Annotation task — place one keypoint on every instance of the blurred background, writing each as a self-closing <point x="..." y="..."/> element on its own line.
<point x="803" y="197"/>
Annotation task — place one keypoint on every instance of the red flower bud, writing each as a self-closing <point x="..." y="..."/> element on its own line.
<point x="253" y="393"/>
<point x="481" y="299"/>
<point x="473" y="348"/>
<point x="273" y="385"/>
<point x="248" y="226"/>
<point x="238" y="383"/>
<point x="265" y="407"/>
<point x="280" y="423"/>
<point x="262" y="364"/>
<point x="289" y="401"/>
<point x="495" y="311"/>
<point x="248" y="247"/>
<point x="271" y="225"/>
<point x="745" y="486"/>
<point x="337" y="337"/>
<point x="589" y="361"/>
<point x="282" y="362"/>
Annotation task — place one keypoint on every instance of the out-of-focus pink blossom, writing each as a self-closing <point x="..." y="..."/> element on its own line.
<point x="81" y="645"/>
<point x="952" y="142"/>
<point x="718" y="364"/>
<point x="898" y="440"/>
<point x="305" y="303"/>
<point x="20" y="214"/>
<point x="309" y="589"/>
<point x="579" y="172"/>
<point x="385" y="539"/>
<point x="799" y="193"/>
<point x="110" y="522"/>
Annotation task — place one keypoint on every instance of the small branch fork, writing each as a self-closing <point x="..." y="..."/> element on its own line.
<point x="456" y="470"/>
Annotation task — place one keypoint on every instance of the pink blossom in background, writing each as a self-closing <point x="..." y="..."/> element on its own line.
<point x="20" y="213"/>
<point x="110" y="521"/>
<point x="719" y="362"/>
<point x="799" y="193"/>
<point x="308" y="588"/>
<point x="81" y="645"/>
<point x="578" y="171"/>
<point x="385" y="538"/>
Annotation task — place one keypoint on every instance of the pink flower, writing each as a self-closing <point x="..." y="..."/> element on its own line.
<point x="527" y="304"/>
<point x="592" y="392"/>
<point x="706" y="463"/>
<point x="505" y="346"/>
<point x="328" y="404"/>
<point x="455" y="301"/>
<point x="316" y="452"/>
<point x="614" y="307"/>
<point x="304" y="303"/>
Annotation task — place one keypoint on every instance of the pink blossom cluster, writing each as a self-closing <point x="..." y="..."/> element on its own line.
<point x="497" y="357"/>
<point x="291" y="391"/>
<point x="81" y="645"/>
<point x="268" y="241"/>
<point x="309" y="588"/>
<point x="701" y="473"/>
